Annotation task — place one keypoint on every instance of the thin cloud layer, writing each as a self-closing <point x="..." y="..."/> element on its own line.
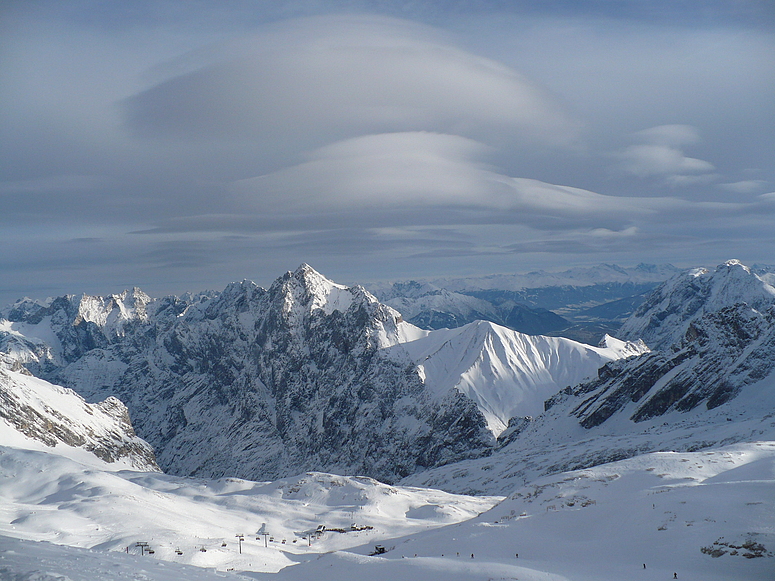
<point x="421" y="172"/>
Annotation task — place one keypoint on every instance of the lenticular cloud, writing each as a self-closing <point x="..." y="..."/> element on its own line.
<point x="330" y="78"/>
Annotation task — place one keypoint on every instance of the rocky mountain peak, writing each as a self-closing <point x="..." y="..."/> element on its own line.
<point x="666" y="315"/>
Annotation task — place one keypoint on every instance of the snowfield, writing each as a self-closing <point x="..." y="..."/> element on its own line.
<point x="706" y="516"/>
<point x="49" y="497"/>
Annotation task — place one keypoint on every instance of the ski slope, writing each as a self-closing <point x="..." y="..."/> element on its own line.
<point x="45" y="496"/>
<point x="706" y="516"/>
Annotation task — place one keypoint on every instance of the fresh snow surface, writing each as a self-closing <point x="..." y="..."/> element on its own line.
<point x="506" y="373"/>
<point x="669" y="511"/>
<point x="42" y="416"/>
<point x="599" y="524"/>
<point x="53" y="498"/>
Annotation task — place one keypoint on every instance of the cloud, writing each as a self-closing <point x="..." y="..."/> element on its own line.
<point x="649" y="160"/>
<point x="673" y="135"/>
<point x="317" y="79"/>
<point x="442" y="179"/>
<point x="55" y="185"/>
<point x="193" y="150"/>
<point x="408" y="168"/>
<point x="411" y="170"/>
<point x="744" y="187"/>
<point x="661" y="156"/>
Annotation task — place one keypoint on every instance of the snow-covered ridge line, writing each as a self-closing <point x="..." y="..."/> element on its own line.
<point x="506" y="373"/>
<point x="667" y="314"/>
<point x="308" y="375"/>
<point x="344" y="341"/>
<point x="35" y="413"/>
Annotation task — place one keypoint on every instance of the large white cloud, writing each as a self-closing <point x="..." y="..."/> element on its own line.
<point x="427" y="173"/>
<point x="333" y="77"/>
<point x="661" y="155"/>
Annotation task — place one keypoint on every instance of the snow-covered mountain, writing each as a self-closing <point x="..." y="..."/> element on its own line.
<point x="37" y="414"/>
<point x="308" y="375"/>
<point x="713" y="386"/>
<point x="721" y="353"/>
<point x="666" y="315"/>
<point x="507" y="374"/>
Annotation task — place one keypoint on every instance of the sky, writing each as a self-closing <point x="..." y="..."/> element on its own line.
<point x="179" y="146"/>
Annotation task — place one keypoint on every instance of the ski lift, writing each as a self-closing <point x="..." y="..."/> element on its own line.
<point x="178" y="552"/>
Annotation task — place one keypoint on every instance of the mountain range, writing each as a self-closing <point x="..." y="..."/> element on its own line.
<point x="312" y="375"/>
<point x="307" y="375"/>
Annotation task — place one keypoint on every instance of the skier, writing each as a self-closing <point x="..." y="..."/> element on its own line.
<point x="472" y="555"/>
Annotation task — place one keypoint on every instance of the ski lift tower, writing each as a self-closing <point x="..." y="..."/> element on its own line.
<point x="143" y="546"/>
<point x="240" y="538"/>
<point x="262" y="531"/>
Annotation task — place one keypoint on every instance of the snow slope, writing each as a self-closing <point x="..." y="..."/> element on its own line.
<point x="506" y="373"/>
<point x="672" y="512"/>
<point x="702" y="516"/>
<point x="36" y="413"/>
<point x="48" y="497"/>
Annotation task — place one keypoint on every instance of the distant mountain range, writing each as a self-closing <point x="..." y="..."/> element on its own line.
<point x="582" y="304"/>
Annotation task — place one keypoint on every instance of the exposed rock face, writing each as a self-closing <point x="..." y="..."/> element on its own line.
<point x="720" y="353"/>
<point x="262" y="383"/>
<point x="308" y="375"/>
<point x="55" y="415"/>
